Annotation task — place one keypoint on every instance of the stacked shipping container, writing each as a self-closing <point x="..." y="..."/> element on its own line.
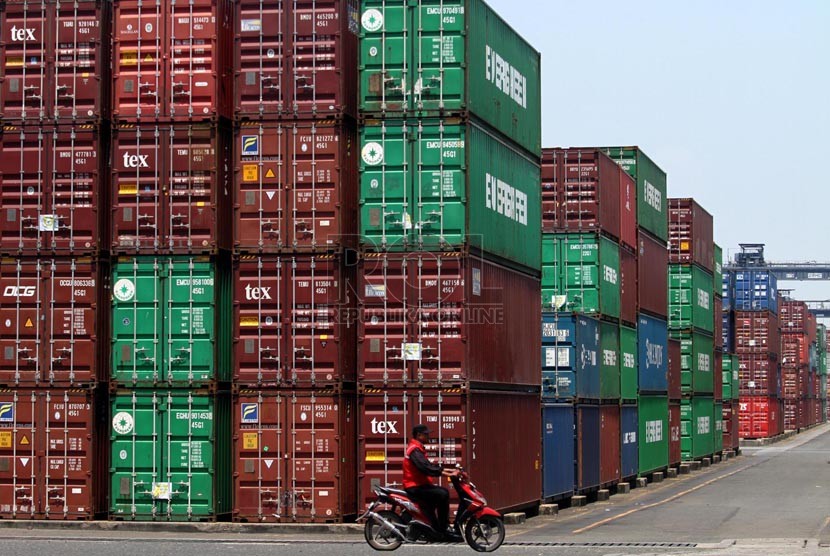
<point x="800" y="362"/>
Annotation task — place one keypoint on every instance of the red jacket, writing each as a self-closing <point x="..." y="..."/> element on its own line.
<point x="412" y="476"/>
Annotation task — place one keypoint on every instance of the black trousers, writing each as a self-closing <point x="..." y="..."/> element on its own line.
<point x="433" y="498"/>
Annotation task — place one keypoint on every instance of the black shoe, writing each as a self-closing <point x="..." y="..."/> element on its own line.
<point x="452" y="536"/>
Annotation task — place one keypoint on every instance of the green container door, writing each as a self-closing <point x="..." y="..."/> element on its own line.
<point x="717" y="276"/>
<point x="165" y="452"/>
<point x="652" y="203"/>
<point x="550" y="269"/>
<point x="609" y="364"/>
<point x="691" y="304"/>
<point x="730" y="376"/>
<point x="436" y="186"/>
<point x="697" y="353"/>
<point x="717" y="418"/>
<point x="628" y="363"/>
<point x="436" y="58"/>
<point x="696" y="427"/>
<point x="653" y="413"/>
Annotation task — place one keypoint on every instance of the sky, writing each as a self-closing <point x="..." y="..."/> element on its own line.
<point x="730" y="98"/>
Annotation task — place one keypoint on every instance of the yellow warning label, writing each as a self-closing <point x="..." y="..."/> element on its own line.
<point x="684" y="245"/>
<point x="248" y="321"/>
<point x="324" y="336"/>
<point x="24" y="440"/>
<point x="270" y="173"/>
<point x="149" y="58"/>
<point x="14" y="62"/>
<point x="128" y="189"/>
<point x="375" y="455"/>
<point x="5" y="439"/>
<point x="29" y="323"/>
<point x="200" y="204"/>
<point x="129" y="58"/>
<point x="250" y="172"/>
<point x="250" y="440"/>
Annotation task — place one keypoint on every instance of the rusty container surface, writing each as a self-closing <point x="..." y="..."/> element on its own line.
<point x="757" y="333"/>
<point x="296" y="186"/>
<point x="610" y="445"/>
<point x="51" y="318"/>
<point x="691" y="234"/>
<point x="442" y="319"/>
<point x="759" y="374"/>
<point x="675" y="454"/>
<point x="170" y="189"/>
<point x="628" y="286"/>
<point x="652" y="275"/>
<point x="471" y="428"/>
<point x="47" y="457"/>
<point x="294" y="321"/>
<point x="295" y="59"/>
<point x="295" y="456"/>
<point x="675" y="369"/>
<point x="53" y="190"/>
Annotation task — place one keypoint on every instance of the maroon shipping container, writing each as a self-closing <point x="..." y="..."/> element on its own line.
<point x="730" y="425"/>
<point x="675" y="367"/>
<point x="52" y="190"/>
<point x="50" y="314"/>
<point x="609" y="448"/>
<point x="652" y="275"/>
<point x="795" y="350"/>
<point x="790" y="383"/>
<point x="54" y="61"/>
<point x="628" y="286"/>
<point x="760" y="417"/>
<point x="718" y="323"/>
<point x="294" y="456"/>
<point x="472" y="428"/>
<point x="756" y="332"/>
<point x="296" y="186"/>
<point x="795" y="318"/>
<point x="294" y="321"/>
<point x="792" y="415"/>
<point x="47" y="460"/>
<point x="691" y="234"/>
<point x="296" y="59"/>
<point x="172" y="60"/>
<point x="759" y="374"/>
<point x="717" y="376"/>
<point x="170" y="189"/>
<point x="446" y="318"/>
<point x="675" y="452"/>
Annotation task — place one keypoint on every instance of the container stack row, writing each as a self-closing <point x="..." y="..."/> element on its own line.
<point x="801" y="354"/>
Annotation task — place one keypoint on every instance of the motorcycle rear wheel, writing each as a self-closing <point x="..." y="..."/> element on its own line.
<point x="485" y="534"/>
<point x="378" y="536"/>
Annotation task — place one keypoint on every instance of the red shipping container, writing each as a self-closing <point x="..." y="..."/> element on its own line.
<point x="731" y="440"/>
<point x="296" y="187"/>
<point x="51" y="190"/>
<point x="760" y="417"/>
<point x="294" y="321"/>
<point x="296" y="59"/>
<point x="795" y="317"/>
<point x="51" y="318"/>
<point x="294" y="456"/>
<point x="170" y="193"/>
<point x="675" y="453"/>
<point x="54" y="61"/>
<point x="795" y="350"/>
<point x="691" y="234"/>
<point x="675" y="367"/>
<point x="718" y="322"/>
<point x="472" y="428"/>
<point x="758" y="375"/>
<point x="610" y="446"/>
<point x="756" y="332"/>
<point x="791" y="415"/>
<point x="47" y="458"/>
<point x="172" y="60"/>
<point x="717" y="376"/>
<point x="446" y="318"/>
<point x="628" y="286"/>
<point x="790" y="384"/>
<point x="652" y="275"/>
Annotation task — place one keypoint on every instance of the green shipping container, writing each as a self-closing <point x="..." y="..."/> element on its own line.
<point x="442" y="185"/>
<point x="609" y="361"/>
<point x="652" y="203"/>
<point x="450" y="57"/>
<point x="170" y="454"/>
<point x="653" y="413"/>
<point x="730" y="369"/>
<point x="586" y="269"/>
<point x="717" y="276"/>
<point x="717" y="418"/>
<point x="691" y="304"/>
<point x="170" y="321"/>
<point x="696" y="428"/>
<point x="628" y="363"/>
<point x="697" y="353"/>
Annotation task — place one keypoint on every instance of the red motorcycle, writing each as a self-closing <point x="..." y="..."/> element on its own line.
<point x="406" y="522"/>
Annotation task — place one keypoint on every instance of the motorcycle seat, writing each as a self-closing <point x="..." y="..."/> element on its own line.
<point x="391" y="490"/>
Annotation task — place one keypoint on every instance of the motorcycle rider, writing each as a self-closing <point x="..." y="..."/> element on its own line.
<point x="417" y="481"/>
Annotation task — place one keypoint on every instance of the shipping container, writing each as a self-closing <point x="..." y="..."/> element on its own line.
<point x="758" y="374"/>
<point x="754" y="290"/>
<point x="171" y="455"/>
<point x="653" y="414"/>
<point x="295" y="186"/>
<point x="558" y="463"/>
<point x="53" y="190"/>
<point x="730" y="367"/>
<point x="171" y="321"/>
<point x="691" y="234"/>
<point x="675" y="369"/>
<point x="759" y="417"/>
<point x="795" y="317"/>
<point x="610" y="445"/>
<point x="652" y="201"/>
<point x="629" y="427"/>
<point x="696" y="428"/>
<point x="470" y="428"/>
<point x="444" y="319"/>
<point x="52" y="317"/>
<point x="717" y="271"/>
<point x="795" y="350"/>
<point x="448" y="184"/>
<point x="48" y="454"/>
<point x="717" y="376"/>
<point x="691" y="303"/>
<point x="718" y="318"/>
<point x="628" y="286"/>
<point x="652" y="275"/>
<point x="609" y="361"/>
<point x="728" y="290"/>
<point x="570" y="356"/>
<point x="585" y="268"/>
<point x="792" y="417"/>
<point x="441" y="57"/>
<point x="717" y="437"/>
<point x="756" y="332"/>
<point x="294" y="321"/>
<point x="653" y="354"/>
<point x="675" y="453"/>
<point x="629" y="363"/>
<point x="172" y="61"/>
<point x="696" y="362"/>
<point x="295" y="59"/>
<point x="728" y="330"/>
<point x="588" y="440"/>
<point x="730" y="425"/>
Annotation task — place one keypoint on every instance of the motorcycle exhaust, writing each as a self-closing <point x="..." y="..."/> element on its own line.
<point x="386" y="524"/>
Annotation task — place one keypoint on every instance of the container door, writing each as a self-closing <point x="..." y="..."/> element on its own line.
<point x="20" y="495"/>
<point x="261" y="28"/>
<point x="629" y="427"/>
<point x="139" y="88"/>
<point x="385" y="56"/>
<point x="610" y="444"/>
<point x="24" y="218"/>
<point x="22" y="320"/>
<point x="558" y="463"/>
<point x="588" y="448"/>
<point x="79" y="65"/>
<point x="439" y="56"/>
<point x="26" y="36"/>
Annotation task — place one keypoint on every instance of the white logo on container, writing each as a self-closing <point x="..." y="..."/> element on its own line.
<point x="23" y="34"/>
<point x="123" y="423"/>
<point x="372" y="153"/>
<point x="124" y="290"/>
<point x="372" y="20"/>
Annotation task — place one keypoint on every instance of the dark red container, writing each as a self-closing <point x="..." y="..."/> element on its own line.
<point x="609" y="449"/>
<point x="47" y="459"/>
<point x="756" y="332"/>
<point x="717" y="376"/>
<point x="790" y="383"/>
<point x="760" y="417"/>
<point x="652" y="275"/>
<point x="793" y="416"/>
<point x="731" y="440"/>
<point x="53" y="190"/>
<point x="795" y="350"/>
<point x="54" y="61"/>
<point x="471" y="428"/>
<point x="172" y="60"/>
<point x="51" y="319"/>
<point x="294" y="456"/>
<point x="296" y="59"/>
<point x="718" y="323"/>
<point x="170" y="189"/>
<point x="691" y="234"/>
<point x="675" y="453"/>
<point x="675" y="367"/>
<point x="628" y="286"/>
<point x="759" y="374"/>
<point x="294" y="321"/>
<point x="296" y="186"/>
<point x="446" y="318"/>
<point x="794" y="317"/>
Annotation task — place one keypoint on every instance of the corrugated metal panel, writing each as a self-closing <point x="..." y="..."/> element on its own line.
<point x="717" y="435"/>
<point x="653" y="354"/>
<point x="691" y="232"/>
<point x="610" y="445"/>
<point x="629" y="427"/>
<point x="654" y="432"/>
<point x="697" y="427"/>
<point x="629" y="363"/>
<point x="696" y="361"/>
<point x="717" y="271"/>
<point x="628" y="286"/>
<point x="730" y="425"/>
<point x="717" y="376"/>
<point x="652" y="275"/>
<point x="675" y="369"/>
<point x="675" y="452"/>
<point x="587" y="447"/>
<point x="558" y="449"/>
<point x="570" y="356"/>
<point x="691" y="303"/>
<point x="609" y="361"/>
<point x="652" y="202"/>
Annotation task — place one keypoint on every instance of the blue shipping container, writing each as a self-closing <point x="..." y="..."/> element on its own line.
<point x="587" y="447"/>
<point x="755" y="290"/>
<point x="653" y="350"/>
<point x="728" y="334"/>
<point x="726" y="290"/>
<point x="570" y="356"/>
<point x="558" y="448"/>
<point x="628" y="435"/>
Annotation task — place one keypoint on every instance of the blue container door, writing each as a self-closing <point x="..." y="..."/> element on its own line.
<point x="570" y="357"/>
<point x="629" y="451"/>
<point x="588" y="441"/>
<point x="559" y="450"/>
<point x="653" y="350"/>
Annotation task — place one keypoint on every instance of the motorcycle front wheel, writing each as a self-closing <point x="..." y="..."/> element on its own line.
<point x="379" y="536"/>
<point x="485" y="534"/>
